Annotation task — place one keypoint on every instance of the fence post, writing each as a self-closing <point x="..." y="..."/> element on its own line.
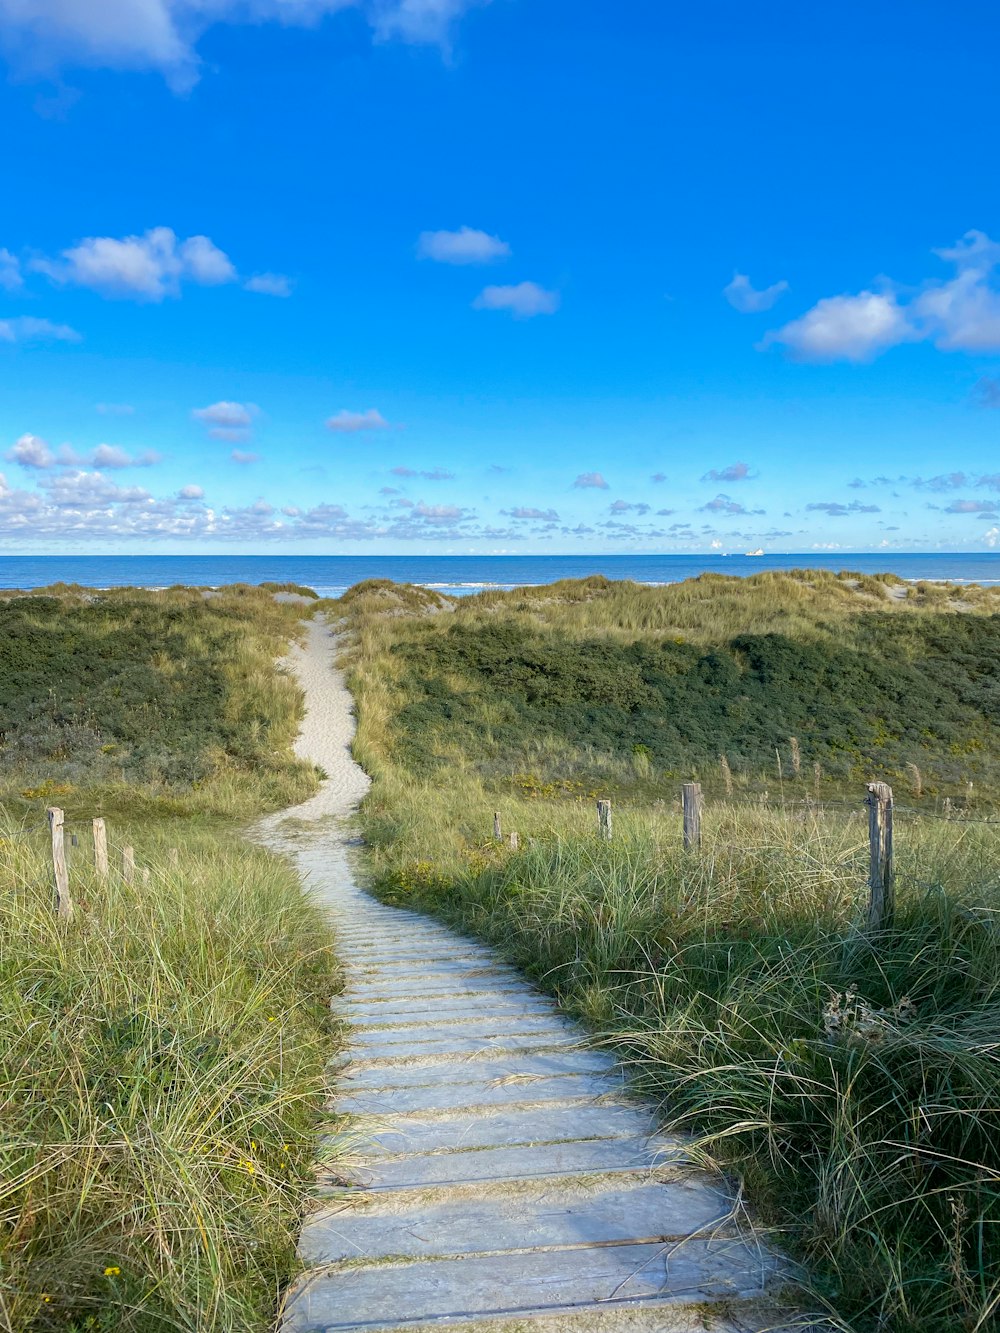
<point x="514" y="841"/>
<point x="64" y="904"/>
<point x="604" y="820"/>
<point x="691" y="802"/>
<point x="497" y="830"/>
<point x="100" y="849"/>
<point x="128" y="864"/>
<point x="880" y="873"/>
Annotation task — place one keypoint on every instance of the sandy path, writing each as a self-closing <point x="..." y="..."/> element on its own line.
<point x="504" y="1179"/>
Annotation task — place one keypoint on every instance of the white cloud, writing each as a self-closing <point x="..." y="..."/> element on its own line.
<point x="148" y="267"/>
<point x="991" y="536"/>
<point x="10" y="272"/>
<point x="227" y="420"/>
<point x="523" y="300"/>
<point x="26" y="329"/>
<point x="846" y="328"/>
<point x="32" y="452"/>
<point x="161" y="34"/>
<point x="350" y="422"/>
<point x="242" y="457"/>
<point x="526" y="513"/>
<point x="742" y="296"/>
<point x="191" y="493"/>
<point x="961" y="314"/>
<point x="591" y="481"/>
<point x="109" y="455"/>
<point x="734" y="472"/>
<point x="269" y="284"/>
<point x="465" y="246"/>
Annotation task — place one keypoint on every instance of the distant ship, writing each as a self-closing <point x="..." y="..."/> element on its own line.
<point x="759" y="551"/>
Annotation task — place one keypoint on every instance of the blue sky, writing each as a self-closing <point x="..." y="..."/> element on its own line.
<point x="529" y="275"/>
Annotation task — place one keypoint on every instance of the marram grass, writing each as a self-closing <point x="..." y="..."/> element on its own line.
<point x="851" y="1081"/>
<point x="160" y="1072"/>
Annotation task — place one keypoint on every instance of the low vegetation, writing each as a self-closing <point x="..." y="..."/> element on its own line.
<point x="148" y="702"/>
<point x="851" y="1080"/>
<point x="164" y="1050"/>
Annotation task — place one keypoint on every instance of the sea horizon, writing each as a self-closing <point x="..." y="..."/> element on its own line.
<point x="461" y="575"/>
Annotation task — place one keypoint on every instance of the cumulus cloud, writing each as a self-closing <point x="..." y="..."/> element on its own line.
<point x="734" y="472"/>
<point x="191" y="493"/>
<point x="837" y="510"/>
<point x="111" y="456"/>
<point x="960" y="314"/>
<point x="722" y="504"/>
<point x="162" y="34"/>
<point x="350" y="422"/>
<point x="846" y="328"/>
<point x="30" y="451"/>
<point x="742" y="296"/>
<point x="149" y="267"/>
<point x="523" y="300"/>
<point x="524" y="513"/>
<point x="591" y="481"/>
<point x="269" y="284"/>
<point x="465" y="246"/>
<point x="25" y="329"/>
<point x="628" y="507"/>
<point x="658" y="477"/>
<point x="10" y="272"/>
<point x="944" y="481"/>
<point x="227" y="420"/>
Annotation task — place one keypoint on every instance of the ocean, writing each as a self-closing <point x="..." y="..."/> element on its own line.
<point x="330" y="575"/>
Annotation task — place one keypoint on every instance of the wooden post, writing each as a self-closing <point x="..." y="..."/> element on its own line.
<point x="514" y="841"/>
<point x="174" y="857"/>
<point x="497" y="831"/>
<point x="100" y="849"/>
<point x="64" y="905"/>
<point x="604" y="820"/>
<point x="128" y="864"/>
<point x="691" y="801"/>
<point x="880" y="874"/>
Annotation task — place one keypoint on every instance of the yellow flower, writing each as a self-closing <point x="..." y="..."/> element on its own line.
<point x="112" y="1271"/>
<point x="249" y="1166"/>
<point x="46" y="1299"/>
<point x="272" y="1018"/>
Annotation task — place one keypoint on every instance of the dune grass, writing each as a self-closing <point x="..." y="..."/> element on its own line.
<point x="148" y="703"/>
<point x="852" y="1081"/>
<point x="164" y="1051"/>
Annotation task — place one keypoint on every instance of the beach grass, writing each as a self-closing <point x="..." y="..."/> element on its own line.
<point x="850" y="1080"/>
<point x="165" y="1049"/>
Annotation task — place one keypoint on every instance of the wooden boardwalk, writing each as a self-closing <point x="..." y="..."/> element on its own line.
<point x="498" y="1175"/>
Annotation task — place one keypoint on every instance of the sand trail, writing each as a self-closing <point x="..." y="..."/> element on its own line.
<point x="501" y="1176"/>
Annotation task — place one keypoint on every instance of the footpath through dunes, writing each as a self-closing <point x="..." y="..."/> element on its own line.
<point x="500" y="1176"/>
